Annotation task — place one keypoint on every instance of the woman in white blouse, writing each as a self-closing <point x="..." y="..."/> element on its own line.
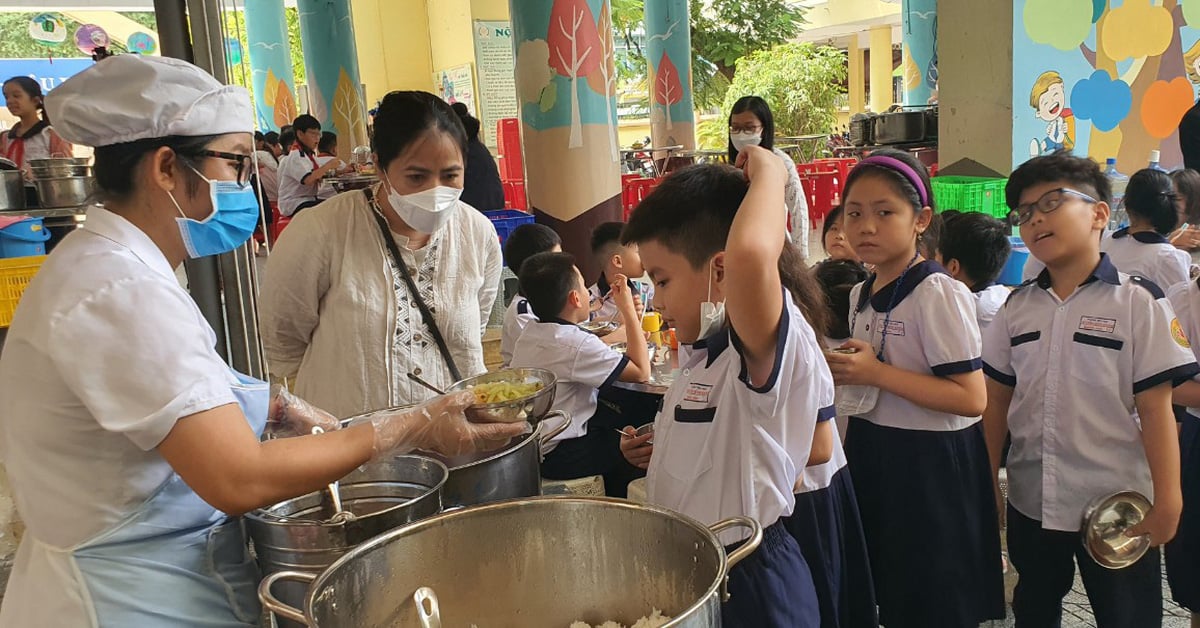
<point x="338" y="312"/>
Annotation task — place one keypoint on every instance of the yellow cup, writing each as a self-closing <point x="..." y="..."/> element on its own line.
<point x="652" y="322"/>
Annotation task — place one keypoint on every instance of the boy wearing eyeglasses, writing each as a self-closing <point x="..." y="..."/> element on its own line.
<point x="1069" y="358"/>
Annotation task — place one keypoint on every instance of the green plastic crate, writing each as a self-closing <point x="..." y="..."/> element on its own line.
<point x="971" y="194"/>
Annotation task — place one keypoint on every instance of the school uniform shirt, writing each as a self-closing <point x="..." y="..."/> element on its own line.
<point x="987" y="302"/>
<point x="726" y="446"/>
<point x="1147" y="254"/>
<point x="41" y="141"/>
<point x="931" y="329"/>
<point x="1075" y="366"/>
<point x="603" y="305"/>
<point x="583" y="364"/>
<point x="517" y="317"/>
<point x="1185" y="302"/>
<point x="106" y="352"/>
<point x="268" y="174"/>
<point x="293" y="191"/>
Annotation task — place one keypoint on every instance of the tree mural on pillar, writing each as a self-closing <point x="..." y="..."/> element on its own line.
<point x="668" y="89"/>
<point x="574" y="52"/>
<point x="604" y="80"/>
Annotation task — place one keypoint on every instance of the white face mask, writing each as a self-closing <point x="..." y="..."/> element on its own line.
<point x="712" y="315"/>
<point x="742" y="140"/>
<point x="425" y="211"/>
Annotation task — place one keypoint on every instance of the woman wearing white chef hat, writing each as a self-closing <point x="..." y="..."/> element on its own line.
<point x="130" y="446"/>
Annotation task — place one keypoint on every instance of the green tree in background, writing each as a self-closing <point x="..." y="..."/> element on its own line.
<point x="801" y="82"/>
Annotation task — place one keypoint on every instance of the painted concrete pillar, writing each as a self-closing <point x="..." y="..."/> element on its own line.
<point x="335" y="95"/>
<point x="669" y="52"/>
<point x="881" y="68"/>
<point x="566" y="87"/>
<point x="270" y="64"/>
<point x="855" y="77"/>
<point x="919" y="30"/>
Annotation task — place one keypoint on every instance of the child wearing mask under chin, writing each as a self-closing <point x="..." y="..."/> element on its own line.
<point x="751" y="124"/>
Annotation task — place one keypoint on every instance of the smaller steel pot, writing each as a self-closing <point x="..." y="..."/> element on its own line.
<point x="12" y="190"/>
<point x="64" y="191"/>
<point x="1105" y="521"/>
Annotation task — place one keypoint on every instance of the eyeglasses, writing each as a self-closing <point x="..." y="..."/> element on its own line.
<point x="745" y="129"/>
<point x="1048" y="203"/>
<point x="240" y="162"/>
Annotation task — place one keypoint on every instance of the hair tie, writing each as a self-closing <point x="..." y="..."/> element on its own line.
<point x="891" y="163"/>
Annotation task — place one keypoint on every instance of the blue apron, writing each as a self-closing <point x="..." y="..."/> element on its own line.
<point x="176" y="560"/>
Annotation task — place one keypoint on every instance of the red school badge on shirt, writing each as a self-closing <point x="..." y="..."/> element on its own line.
<point x="1178" y="334"/>
<point x="1095" y="323"/>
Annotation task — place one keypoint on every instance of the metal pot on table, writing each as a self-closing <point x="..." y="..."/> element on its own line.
<point x="298" y="534"/>
<point x="506" y="565"/>
<point x="508" y="473"/>
<point x="12" y="190"/>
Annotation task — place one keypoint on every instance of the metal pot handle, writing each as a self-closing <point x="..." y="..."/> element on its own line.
<point x="274" y="605"/>
<point x="549" y="436"/>
<point x="431" y="617"/>
<point x="737" y="555"/>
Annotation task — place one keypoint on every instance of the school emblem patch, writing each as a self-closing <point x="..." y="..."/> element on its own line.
<point x="1181" y="338"/>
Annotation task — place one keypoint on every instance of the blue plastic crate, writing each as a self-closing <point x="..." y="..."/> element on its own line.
<point x="1011" y="275"/>
<point x="505" y="220"/>
<point x="24" y="239"/>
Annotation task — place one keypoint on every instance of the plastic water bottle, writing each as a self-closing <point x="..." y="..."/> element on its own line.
<point x="1119" y="218"/>
<point x="1154" y="159"/>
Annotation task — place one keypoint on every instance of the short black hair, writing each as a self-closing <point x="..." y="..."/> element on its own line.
<point x="286" y="139"/>
<point x="690" y="213"/>
<point x="526" y="241"/>
<point x="762" y="111"/>
<point x="460" y="109"/>
<point x="836" y="278"/>
<point x="1151" y="196"/>
<point x="900" y="183"/>
<point x="605" y="237"/>
<point x="832" y="218"/>
<point x="305" y="122"/>
<point x="981" y="245"/>
<point x="931" y="239"/>
<point x="1080" y="172"/>
<point x="259" y="137"/>
<point x="271" y="137"/>
<point x="546" y="280"/>
<point x="114" y="165"/>
<point x="328" y="142"/>
<point x="1187" y="185"/>
<point x="403" y="117"/>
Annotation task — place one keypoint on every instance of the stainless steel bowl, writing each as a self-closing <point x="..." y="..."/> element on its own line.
<point x="64" y="170"/>
<point x="64" y="191"/>
<point x="1105" y="521"/>
<point x="646" y="429"/>
<point x="531" y="408"/>
<point x="600" y="328"/>
<point x="353" y="182"/>
<point x="59" y="161"/>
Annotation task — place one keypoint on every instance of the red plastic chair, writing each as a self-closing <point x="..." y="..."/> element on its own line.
<point x="633" y="191"/>
<point x="843" y="166"/>
<point x="514" y="195"/>
<point x="820" y="186"/>
<point x="279" y="224"/>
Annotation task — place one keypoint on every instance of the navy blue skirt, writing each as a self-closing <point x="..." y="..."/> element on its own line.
<point x="1183" y="553"/>
<point x="929" y="514"/>
<point x="829" y="531"/>
<point x="772" y="587"/>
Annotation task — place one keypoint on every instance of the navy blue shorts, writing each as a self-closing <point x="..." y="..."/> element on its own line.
<point x="827" y="527"/>
<point x="1183" y="553"/>
<point x="772" y="587"/>
<point x="929" y="513"/>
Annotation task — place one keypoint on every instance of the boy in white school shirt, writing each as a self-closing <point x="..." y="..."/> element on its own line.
<point x="974" y="248"/>
<point x="1069" y="358"/>
<point x="737" y="425"/>
<point x="615" y="259"/>
<point x="584" y="366"/>
<point x="523" y="243"/>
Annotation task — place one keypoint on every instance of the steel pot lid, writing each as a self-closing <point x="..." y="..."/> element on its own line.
<point x="1105" y="521"/>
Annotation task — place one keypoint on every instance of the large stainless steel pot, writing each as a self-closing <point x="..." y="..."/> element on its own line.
<point x="294" y="534"/>
<point x="64" y="191"/>
<point x="12" y="190"/>
<point x="512" y="472"/>
<point x="527" y="564"/>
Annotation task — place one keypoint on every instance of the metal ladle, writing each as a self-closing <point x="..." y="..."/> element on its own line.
<point x="340" y="514"/>
<point x="427" y="608"/>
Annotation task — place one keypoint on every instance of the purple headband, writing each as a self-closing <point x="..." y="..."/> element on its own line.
<point x="891" y="163"/>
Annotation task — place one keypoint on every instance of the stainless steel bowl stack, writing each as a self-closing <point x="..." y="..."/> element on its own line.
<point x="63" y="181"/>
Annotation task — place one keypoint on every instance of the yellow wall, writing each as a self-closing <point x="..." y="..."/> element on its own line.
<point x="836" y="12"/>
<point x="393" y="46"/>
<point x="450" y="38"/>
<point x="489" y="9"/>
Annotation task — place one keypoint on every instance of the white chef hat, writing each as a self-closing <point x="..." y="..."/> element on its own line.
<point x="131" y="97"/>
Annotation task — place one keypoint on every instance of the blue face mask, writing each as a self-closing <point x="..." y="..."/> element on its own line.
<point x="234" y="217"/>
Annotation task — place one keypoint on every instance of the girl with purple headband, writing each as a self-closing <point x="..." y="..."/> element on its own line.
<point x="910" y="378"/>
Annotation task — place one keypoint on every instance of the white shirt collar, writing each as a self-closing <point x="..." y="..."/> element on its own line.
<point x="108" y="225"/>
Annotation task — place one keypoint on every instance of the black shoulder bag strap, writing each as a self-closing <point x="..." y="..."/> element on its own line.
<point x="426" y="314"/>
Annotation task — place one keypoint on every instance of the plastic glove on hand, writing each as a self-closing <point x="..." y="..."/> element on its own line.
<point x="297" y="414"/>
<point x="439" y="425"/>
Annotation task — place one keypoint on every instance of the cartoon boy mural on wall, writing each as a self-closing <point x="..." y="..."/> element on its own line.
<point x="1049" y="100"/>
<point x="1191" y="63"/>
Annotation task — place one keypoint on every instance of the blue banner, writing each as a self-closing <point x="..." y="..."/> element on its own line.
<point x="49" y="74"/>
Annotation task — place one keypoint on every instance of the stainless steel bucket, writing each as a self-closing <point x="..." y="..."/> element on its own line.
<point x="529" y="563"/>
<point x="12" y="190"/>
<point x="293" y="535"/>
